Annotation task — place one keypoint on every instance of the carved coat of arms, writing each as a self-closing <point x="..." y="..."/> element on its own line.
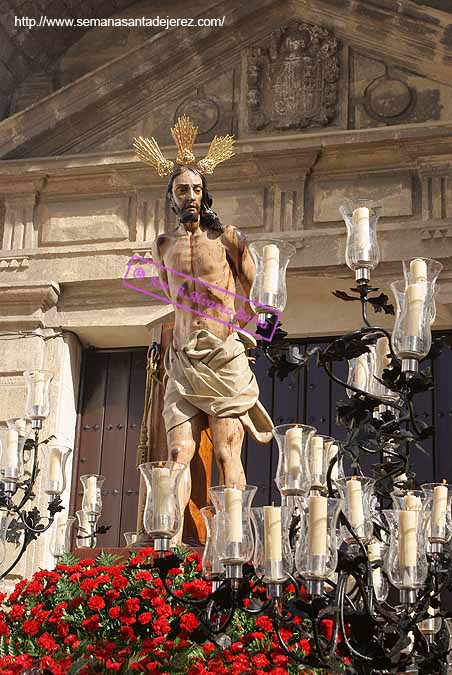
<point x="292" y="82"/>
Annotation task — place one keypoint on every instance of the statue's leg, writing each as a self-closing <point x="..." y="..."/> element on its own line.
<point x="227" y="440"/>
<point x="183" y="442"/>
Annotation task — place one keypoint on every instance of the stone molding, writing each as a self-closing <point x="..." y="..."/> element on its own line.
<point x="118" y="93"/>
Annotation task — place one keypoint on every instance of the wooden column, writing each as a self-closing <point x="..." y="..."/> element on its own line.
<point x="201" y="465"/>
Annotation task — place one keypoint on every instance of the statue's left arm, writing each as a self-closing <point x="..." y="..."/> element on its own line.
<point x="241" y="260"/>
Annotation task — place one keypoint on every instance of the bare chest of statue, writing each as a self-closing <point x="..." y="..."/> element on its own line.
<point x="202" y="256"/>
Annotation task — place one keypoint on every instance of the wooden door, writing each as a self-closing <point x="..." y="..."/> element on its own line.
<point x="111" y="409"/>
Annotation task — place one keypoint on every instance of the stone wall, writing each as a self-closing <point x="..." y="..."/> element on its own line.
<point x="69" y="223"/>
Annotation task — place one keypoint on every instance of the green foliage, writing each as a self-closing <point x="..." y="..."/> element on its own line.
<point x="68" y="559"/>
<point x="107" y="559"/>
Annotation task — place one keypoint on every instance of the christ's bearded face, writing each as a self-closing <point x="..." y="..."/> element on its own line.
<point x="186" y="193"/>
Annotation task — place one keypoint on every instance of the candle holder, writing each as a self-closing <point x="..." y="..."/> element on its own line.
<point x="379" y="582"/>
<point x="92" y="495"/>
<point x="11" y="458"/>
<point x="86" y="530"/>
<point x="5" y="521"/>
<point x="38" y="401"/>
<point x="421" y="270"/>
<point x="440" y="527"/>
<point x="357" y="495"/>
<point x="292" y="473"/>
<point x="212" y="567"/>
<point x="162" y="510"/>
<point x="412" y="337"/>
<point x="60" y="541"/>
<point x="362" y="253"/>
<point x="316" y="550"/>
<point x="131" y="539"/>
<point x="273" y="559"/>
<point x="236" y="542"/>
<point x="406" y="563"/>
<point x="360" y="373"/>
<point x="56" y="458"/>
<point x="410" y="500"/>
<point x="271" y="257"/>
<point x="318" y="456"/>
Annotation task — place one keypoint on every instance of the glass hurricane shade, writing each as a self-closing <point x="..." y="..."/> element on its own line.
<point x="92" y="495"/>
<point x="56" y="457"/>
<point x="233" y="506"/>
<point x="38" y="383"/>
<point x="162" y="516"/>
<point x="361" y="218"/>
<point x="271" y="258"/>
<point x="412" y="336"/>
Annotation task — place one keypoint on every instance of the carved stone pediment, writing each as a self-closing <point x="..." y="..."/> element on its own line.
<point x="293" y="79"/>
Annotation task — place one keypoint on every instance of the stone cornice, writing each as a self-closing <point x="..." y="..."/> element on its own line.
<point x="111" y="98"/>
<point x="337" y="153"/>
<point x="28" y="295"/>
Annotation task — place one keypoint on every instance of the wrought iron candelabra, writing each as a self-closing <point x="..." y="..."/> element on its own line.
<point x="373" y="554"/>
<point x="21" y="452"/>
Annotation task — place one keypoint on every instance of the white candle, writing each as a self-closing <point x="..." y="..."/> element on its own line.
<point x="440" y="494"/>
<point x="334" y="449"/>
<point x="318" y="509"/>
<point x="60" y="535"/>
<point x="292" y="442"/>
<point x="272" y="533"/>
<point x="91" y="490"/>
<point x="374" y="553"/>
<point x="412" y="502"/>
<point x="361" y="373"/>
<point x="355" y="505"/>
<point x="10" y="458"/>
<point x="360" y="220"/>
<point x="408" y="538"/>
<point x="161" y="484"/>
<point x="21" y="426"/>
<point x="233" y="508"/>
<point x="54" y="465"/>
<point x="383" y="355"/>
<point x="316" y="455"/>
<point x="415" y="296"/>
<point x="271" y="268"/>
<point x="83" y="522"/>
<point x="37" y="388"/>
<point x="418" y="271"/>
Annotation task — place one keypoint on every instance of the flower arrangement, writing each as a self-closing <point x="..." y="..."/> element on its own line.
<point x="86" y="617"/>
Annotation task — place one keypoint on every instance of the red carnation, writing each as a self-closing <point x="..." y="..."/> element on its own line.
<point x="189" y="622"/>
<point x="264" y="623"/>
<point x="17" y="612"/>
<point x="145" y="617"/>
<point x="92" y="623"/>
<point x="143" y="575"/>
<point x="161" y="626"/>
<point x="326" y="626"/>
<point x="47" y="642"/>
<point x="148" y="593"/>
<point x="260" y="661"/>
<point x="305" y="646"/>
<point x="30" y="627"/>
<point x="120" y="582"/>
<point x="132" y="605"/>
<point x="96" y="603"/>
<point x="114" y="612"/>
<point x="111" y="595"/>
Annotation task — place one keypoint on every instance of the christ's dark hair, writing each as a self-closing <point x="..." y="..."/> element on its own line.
<point x="208" y="219"/>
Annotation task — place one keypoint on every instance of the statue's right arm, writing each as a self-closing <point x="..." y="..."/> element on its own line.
<point x="158" y="248"/>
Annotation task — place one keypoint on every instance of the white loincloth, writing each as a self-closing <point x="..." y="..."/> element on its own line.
<point x="213" y="375"/>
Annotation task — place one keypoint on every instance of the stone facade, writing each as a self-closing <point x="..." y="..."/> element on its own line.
<point x="75" y="204"/>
